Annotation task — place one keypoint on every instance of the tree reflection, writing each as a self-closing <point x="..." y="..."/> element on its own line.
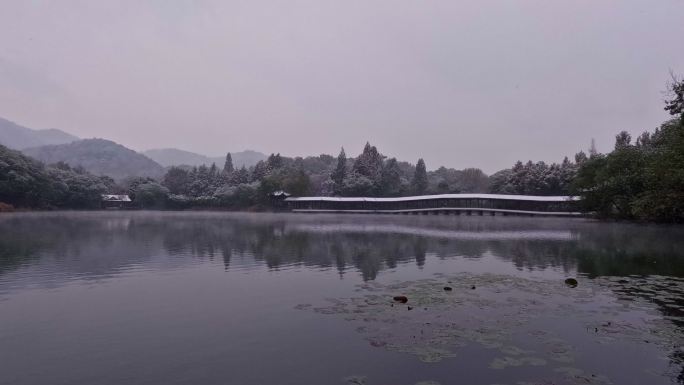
<point x="103" y="244"/>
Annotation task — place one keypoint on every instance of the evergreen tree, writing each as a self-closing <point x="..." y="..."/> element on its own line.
<point x="568" y="170"/>
<point x="357" y="185"/>
<point x="369" y="163"/>
<point x="240" y="176"/>
<point x="228" y="166"/>
<point x="274" y="162"/>
<point x="500" y="182"/>
<point x="644" y="140"/>
<point x="390" y="181"/>
<point x="622" y="140"/>
<point x="420" y="180"/>
<point x="200" y="184"/>
<point x="675" y="106"/>
<point x="176" y="180"/>
<point x="580" y="157"/>
<point x="340" y="172"/>
<point x="260" y="171"/>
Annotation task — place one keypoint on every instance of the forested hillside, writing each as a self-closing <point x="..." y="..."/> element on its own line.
<point x="100" y="157"/>
<point x="168" y="157"/>
<point x="24" y="182"/>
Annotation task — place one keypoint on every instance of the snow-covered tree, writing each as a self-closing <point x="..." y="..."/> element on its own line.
<point x="369" y="163"/>
<point x="240" y="176"/>
<point x="390" y="178"/>
<point x="340" y="172"/>
<point x="420" y="179"/>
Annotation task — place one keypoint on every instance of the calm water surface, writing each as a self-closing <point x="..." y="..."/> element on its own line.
<point x="214" y="298"/>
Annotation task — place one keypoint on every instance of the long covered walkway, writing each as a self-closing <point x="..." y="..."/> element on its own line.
<point x="461" y="204"/>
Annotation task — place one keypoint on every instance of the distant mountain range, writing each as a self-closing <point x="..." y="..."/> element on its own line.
<point x="19" y="137"/>
<point x="100" y="157"/>
<point x="174" y="157"/>
<point x="104" y="157"/>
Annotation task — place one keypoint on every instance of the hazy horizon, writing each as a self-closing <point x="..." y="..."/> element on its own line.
<point x="468" y="84"/>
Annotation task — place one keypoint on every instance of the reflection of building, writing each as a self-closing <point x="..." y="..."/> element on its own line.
<point x="467" y="204"/>
<point x="116" y="201"/>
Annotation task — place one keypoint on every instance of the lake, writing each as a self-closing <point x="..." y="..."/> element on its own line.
<point x="232" y="298"/>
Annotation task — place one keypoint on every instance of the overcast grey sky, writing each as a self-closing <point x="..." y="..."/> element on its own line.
<point x="461" y="83"/>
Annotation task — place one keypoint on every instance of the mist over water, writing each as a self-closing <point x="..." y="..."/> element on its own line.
<point x="154" y="297"/>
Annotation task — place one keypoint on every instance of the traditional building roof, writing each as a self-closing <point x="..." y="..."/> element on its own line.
<point x="115" y="198"/>
<point x="280" y="193"/>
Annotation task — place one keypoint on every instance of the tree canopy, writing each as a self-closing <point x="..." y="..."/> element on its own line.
<point x="27" y="183"/>
<point x="419" y="183"/>
<point x="642" y="180"/>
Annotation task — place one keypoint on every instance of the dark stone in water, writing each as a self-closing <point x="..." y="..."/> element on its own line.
<point x="572" y="282"/>
<point x="473" y="287"/>
<point x="447" y="288"/>
<point x="410" y="307"/>
<point x="401" y="298"/>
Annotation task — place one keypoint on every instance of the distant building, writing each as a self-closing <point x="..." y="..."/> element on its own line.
<point x="116" y="201"/>
<point x="278" y="199"/>
<point x="280" y="194"/>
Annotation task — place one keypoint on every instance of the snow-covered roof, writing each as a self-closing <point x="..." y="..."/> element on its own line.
<point x="280" y="193"/>
<point x="441" y="196"/>
<point x="116" y="198"/>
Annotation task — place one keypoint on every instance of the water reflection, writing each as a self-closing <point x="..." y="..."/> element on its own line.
<point x="95" y="245"/>
<point x="211" y="251"/>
